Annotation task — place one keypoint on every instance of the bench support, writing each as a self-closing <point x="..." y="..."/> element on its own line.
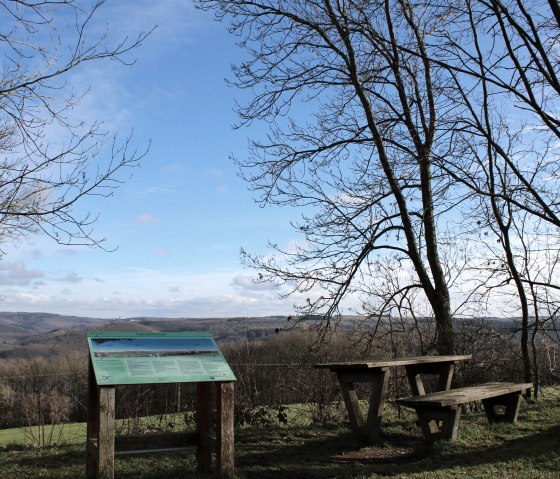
<point x="509" y="402"/>
<point x="439" y="423"/>
<point x="439" y="413"/>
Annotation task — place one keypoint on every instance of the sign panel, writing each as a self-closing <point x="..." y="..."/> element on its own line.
<point x="147" y="358"/>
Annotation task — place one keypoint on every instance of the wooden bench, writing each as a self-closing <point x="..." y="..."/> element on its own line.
<point x="439" y="413"/>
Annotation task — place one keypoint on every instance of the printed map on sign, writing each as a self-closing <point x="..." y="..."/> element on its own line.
<point x="143" y="358"/>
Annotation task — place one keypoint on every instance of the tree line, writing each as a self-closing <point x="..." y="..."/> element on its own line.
<point x="37" y="392"/>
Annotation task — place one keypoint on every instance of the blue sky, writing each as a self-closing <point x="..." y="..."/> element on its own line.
<point x="178" y="224"/>
<point x="180" y="221"/>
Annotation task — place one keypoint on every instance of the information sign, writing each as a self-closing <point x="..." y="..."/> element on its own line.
<point x="147" y="358"/>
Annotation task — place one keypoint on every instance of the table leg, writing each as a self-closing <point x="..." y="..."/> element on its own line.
<point x="445" y="377"/>
<point x="444" y="372"/>
<point x="415" y="379"/>
<point x="376" y="403"/>
<point x="352" y="404"/>
<point x="378" y="380"/>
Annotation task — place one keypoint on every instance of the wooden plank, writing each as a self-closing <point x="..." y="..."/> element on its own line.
<point x="154" y="451"/>
<point x="131" y="442"/>
<point x="163" y="450"/>
<point x="379" y="363"/>
<point x="106" y="439"/>
<point x="464" y="395"/>
<point x="92" y="433"/>
<point x="225" y="439"/>
<point x="203" y="425"/>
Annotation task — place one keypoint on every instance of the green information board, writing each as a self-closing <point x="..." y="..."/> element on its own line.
<point x="147" y="358"/>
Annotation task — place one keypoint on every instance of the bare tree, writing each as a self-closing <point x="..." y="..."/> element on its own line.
<point x="364" y="164"/>
<point x="417" y="114"/>
<point x="502" y="59"/>
<point x="49" y="160"/>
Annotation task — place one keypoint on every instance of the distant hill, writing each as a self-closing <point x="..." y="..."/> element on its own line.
<point x="24" y="334"/>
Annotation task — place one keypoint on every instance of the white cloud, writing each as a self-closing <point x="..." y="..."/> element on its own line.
<point x="214" y="172"/>
<point x="146" y="219"/>
<point x="152" y="190"/>
<point x="24" y="301"/>
<point x="249" y="283"/>
<point x="70" y="277"/>
<point x="145" y="292"/>
<point x="68" y="250"/>
<point x="17" y="274"/>
<point x="174" y="168"/>
<point x="169" y="17"/>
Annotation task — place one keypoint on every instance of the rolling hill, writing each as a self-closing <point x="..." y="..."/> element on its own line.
<point x="23" y="334"/>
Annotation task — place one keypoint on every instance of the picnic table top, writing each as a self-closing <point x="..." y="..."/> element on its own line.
<point x="391" y="362"/>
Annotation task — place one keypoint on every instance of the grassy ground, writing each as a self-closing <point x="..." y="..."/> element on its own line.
<point x="61" y="434"/>
<point x="528" y="450"/>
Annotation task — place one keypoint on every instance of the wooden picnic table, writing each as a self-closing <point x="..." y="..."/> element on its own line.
<point x="376" y="372"/>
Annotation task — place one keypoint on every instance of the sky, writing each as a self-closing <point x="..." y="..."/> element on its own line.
<point x="178" y="224"/>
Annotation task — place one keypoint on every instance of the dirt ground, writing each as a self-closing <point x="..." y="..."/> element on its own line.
<point x="396" y="451"/>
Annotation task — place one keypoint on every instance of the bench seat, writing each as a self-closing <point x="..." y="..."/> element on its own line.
<point x="439" y="412"/>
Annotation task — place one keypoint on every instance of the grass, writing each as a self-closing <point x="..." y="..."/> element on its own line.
<point x="75" y="433"/>
<point x="529" y="449"/>
<point x="62" y="434"/>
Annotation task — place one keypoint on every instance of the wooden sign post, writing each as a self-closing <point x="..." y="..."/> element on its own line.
<point x="138" y="358"/>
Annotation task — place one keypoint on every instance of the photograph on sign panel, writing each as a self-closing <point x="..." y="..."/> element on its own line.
<point x="152" y="347"/>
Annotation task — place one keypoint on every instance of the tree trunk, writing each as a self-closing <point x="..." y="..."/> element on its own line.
<point x="445" y="336"/>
